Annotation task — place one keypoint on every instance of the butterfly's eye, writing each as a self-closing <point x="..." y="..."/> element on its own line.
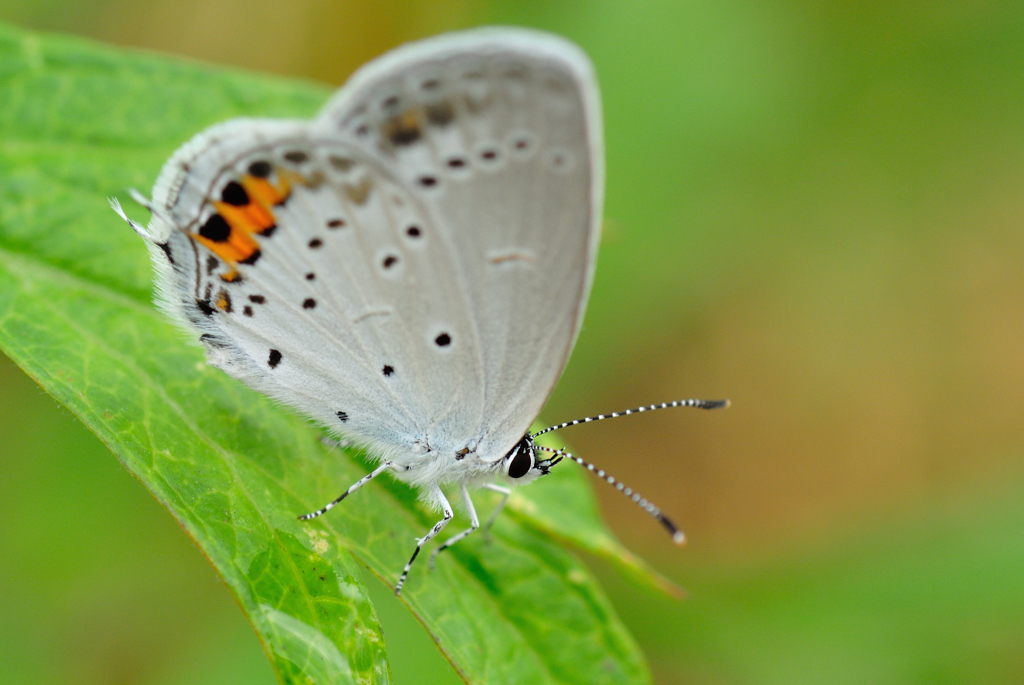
<point x="519" y="461"/>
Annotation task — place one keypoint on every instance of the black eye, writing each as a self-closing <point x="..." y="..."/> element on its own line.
<point x="521" y="462"/>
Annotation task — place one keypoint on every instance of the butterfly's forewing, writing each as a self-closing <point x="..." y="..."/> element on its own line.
<point x="508" y="122"/>
<point x="411" y="267"/>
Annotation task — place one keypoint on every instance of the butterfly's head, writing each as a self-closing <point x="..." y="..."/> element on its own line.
<point x="521" y="464"/>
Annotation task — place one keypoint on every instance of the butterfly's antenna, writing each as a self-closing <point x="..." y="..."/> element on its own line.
<point x="698" y="404"/>
<point x="677" y="535"/>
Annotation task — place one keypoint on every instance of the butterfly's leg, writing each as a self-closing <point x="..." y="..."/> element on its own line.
<point x="355" y="486"/>
<point x="501" y="505"/>
<point x="438" y="527"/>
<point x="474" y="524"/>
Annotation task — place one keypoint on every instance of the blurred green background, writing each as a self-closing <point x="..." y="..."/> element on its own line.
<point x="813" y="208"/>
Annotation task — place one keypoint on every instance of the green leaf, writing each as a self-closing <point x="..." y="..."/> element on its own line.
<point x="82" y="122"/>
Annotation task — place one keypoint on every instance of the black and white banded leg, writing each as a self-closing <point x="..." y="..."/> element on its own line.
<point x="438" y="527"/>
<point x="498" y="509"/>
<point x="355" y="486"/>
<point x="474" y="523"/>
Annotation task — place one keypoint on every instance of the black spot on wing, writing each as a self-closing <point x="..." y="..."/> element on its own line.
<point x="234" y="194"/>
<point x="260" y="169"/>
<point x="215" y="229"/>
<point x="274" y="359"/>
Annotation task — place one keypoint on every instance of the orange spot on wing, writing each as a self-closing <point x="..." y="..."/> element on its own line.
<point x="250" y="218"/>
<point x="226" y="250"/>
<point x="243" y="243"/>
<point x="264" y="192"/>
<point x="242" y="228"/>
<point x="260" y="216"/>
<point x="237" y="217"/>
<point x="245" y="221"/>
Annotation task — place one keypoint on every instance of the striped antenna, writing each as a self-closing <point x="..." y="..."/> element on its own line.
<point x="677" y="535"/>
<point x="698" y="404"/>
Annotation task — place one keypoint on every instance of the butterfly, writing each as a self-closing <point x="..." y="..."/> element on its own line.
<point x="410" y="268"/>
